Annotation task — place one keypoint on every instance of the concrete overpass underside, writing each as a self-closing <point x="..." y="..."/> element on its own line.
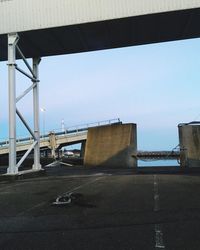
<point x="115" y="33"/>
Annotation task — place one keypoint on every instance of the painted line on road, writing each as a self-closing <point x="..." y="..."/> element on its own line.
<point x="159" y="237"/>
<point x="32" y="208"/>
<point x="88" y="175"/>
<point x="69" y="191"/>
<point x="66" y="164"/>
<point x="83" y="185"/>
<point x="11" y="186"/>
<point x="156" y="194"/>
<point x="53" y="164"/>
<point x="159" y="243"/>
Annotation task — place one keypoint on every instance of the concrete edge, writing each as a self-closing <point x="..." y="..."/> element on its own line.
<point x="23" y="175"/>
<point x="167" y="170"/>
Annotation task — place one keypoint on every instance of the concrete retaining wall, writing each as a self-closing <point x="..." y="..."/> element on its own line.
<point x="189" y="139"/>
<point x="111" y="146"/>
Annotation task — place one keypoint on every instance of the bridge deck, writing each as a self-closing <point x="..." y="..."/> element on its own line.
<point x="73" y="135"/>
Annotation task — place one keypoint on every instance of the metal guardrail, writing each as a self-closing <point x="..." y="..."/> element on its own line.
<point x="158" y="154"/>
<point x="71" y="130"/>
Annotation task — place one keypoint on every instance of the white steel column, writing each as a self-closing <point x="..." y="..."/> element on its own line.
<point x="34" y="76"/>
<point x="12" y="41"/>
<point x="36" y="165"/>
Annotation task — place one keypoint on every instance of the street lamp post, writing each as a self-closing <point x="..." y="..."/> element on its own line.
<point x="43" y="110"/>
<point x="62" y="125"/>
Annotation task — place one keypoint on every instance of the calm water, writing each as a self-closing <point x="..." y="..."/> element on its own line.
<point x="158" y="163"/>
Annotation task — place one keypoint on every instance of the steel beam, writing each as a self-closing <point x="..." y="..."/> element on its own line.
<point x="25" y="61"/>
<point x="26" y="154"/>
<point x="25" y="124"/>
<point x="12" y="42"/>
<point x="36" y="165"/>
<point x="25" y="92"/>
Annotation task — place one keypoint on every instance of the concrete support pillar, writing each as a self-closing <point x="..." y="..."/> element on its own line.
<point x="46" y="153"/>
<point x="58" y="153"/>
<point x="53" y="145"/>
<point x="83" y="145"/>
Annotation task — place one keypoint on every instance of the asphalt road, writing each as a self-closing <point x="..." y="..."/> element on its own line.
<point x="114" y="209"/>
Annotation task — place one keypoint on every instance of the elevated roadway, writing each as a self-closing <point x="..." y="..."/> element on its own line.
<point x="61" y="140"/>
<point x="57" y="139"/>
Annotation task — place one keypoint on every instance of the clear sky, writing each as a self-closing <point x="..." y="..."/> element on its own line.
<point x="156" y="86"/>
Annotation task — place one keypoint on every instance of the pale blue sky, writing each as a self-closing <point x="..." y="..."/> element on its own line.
<point x="155" y="86"/>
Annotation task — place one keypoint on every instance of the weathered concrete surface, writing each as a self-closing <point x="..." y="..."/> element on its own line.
<point x="118" y="210"/>
<point x="189" y="139"/>
<point x="83" y="145"/>
<point x="111" y="146"/>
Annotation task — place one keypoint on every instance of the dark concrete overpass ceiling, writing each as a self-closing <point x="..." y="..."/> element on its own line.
<point x="115" y="33"/>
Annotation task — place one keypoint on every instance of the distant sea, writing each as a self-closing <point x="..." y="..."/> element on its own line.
<point x="158" y="163"/>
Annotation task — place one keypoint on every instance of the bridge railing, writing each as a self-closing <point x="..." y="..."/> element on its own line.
<point x="70" y="130"/>
<point x="83" y="127"/>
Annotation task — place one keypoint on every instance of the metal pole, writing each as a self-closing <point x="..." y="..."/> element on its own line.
<point x="36" y="165"/>
<point x="12" y="41"/>
<point x="44" y="122"/>
<point x="43" y="110"/>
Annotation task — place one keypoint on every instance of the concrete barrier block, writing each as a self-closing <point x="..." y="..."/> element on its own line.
<point x="111" y="146"/>
<point x="189" y="139"/>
